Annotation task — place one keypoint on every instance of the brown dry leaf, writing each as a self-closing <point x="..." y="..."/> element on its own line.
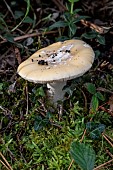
<point x="7" y="60"/>
<point x="110" y="102"/>
<point x="2" y="64"/>
<point x="10" y="59"/>
<point x="17" y="54"/>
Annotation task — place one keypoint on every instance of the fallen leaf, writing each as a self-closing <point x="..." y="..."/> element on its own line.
<point x="110" y="102"/>
<point x="10" y="60"/>
<point x="17" y="54"/>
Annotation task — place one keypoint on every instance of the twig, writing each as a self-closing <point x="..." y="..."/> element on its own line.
<point x="6" y="161"/>
<point x="59" y="4"/>
<point x="3" y="109"/>
<point x="109" y="153"/>
<point x="6" y="71"/>
<point x="85" y="132"/>
<point x="107" y="140"/>
<point x="111" y="32"/>
<point x="106" y="110"/>
<point x="102" y="165"/>
<point x="51" y="122"/>
<point x="43" y="114"/>
<point x="83" y="135"/>
<point x="8" y="7"/>
<point x="104" y="90"/>
<point x="27" y="99"/>
<point x="54" y="124"/>
<point x="93" y="26"/>
<point x="70" y="164"/>
<point x="108" y="137"/>
<point x="29" y="35"/>
<point x="20" y="147"/>
<point x="85" y="100"/>
<point x="4" y="165"/>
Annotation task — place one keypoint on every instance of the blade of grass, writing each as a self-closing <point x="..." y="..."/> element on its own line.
<point x="27" y="11"/>
<point x="8" y="7"/>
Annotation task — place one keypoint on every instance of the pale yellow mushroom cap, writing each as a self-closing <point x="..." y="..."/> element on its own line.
<point x="58" y="62"/>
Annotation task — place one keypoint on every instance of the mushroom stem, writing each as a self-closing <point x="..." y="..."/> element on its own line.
<point x="55" y="91"/>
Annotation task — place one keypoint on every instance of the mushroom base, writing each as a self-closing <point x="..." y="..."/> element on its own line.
<point x="55" y="91"/>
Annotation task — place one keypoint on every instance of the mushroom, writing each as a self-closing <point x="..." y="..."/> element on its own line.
<point x="57" y="63"/>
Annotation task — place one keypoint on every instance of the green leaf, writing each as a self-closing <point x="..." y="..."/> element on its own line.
<point x="72" y="30"/>
<point x="79" y="18"/>
<point x="94" y="103"/>
<point x="89" y="35"/>
<point x="68" y="90"/>
<point x="95" y="129"/>
<point x="100" y="96"/>
<point x="62" y="38"/>
<point x="2" y="22"/>
<point x="28" y="20"/>
<point x="76" y="11"/>
<point x="40" y="123"/>
<point x="84" y="155"/>
<point x="101" y="39"/>
<point x="40" y="92"/>
<point x="58" y="25"/>
<point x="9" y="37"/>
<point x="72" y="1"/>
<point x="91" y="88"/>
<point x="97" y="53"/>
<point x="2" y="27"/>
<point x="1" y="86"/>
<point x="18" y="14"/>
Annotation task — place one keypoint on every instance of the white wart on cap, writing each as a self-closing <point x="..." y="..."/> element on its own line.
<point x="57" y="63"/>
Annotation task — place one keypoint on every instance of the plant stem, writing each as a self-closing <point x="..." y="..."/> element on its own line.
<point x="72" y="4"/>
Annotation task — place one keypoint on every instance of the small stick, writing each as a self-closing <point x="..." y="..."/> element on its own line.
<point x="104" y="90"/>
<point x="51" y="122"/>
<point x="4" y="165"/>
<point x="6" y="161"/>
<point x="85" y="100"/>
<point x="70" y="164"/>
<point x="93" y="26"/>
<point x="59" y="4"/>
<point x="27" y="99"/>
<point x="109" y="153"/>
<point x="83" y="135"/>
<point x="29" y="35"/>
<point x="107" y="140"/>
<point x="106" y="110"/>
<point x="8" y="7"/>
<point x="100" y="166"/>
<point x="108" y="137"/>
